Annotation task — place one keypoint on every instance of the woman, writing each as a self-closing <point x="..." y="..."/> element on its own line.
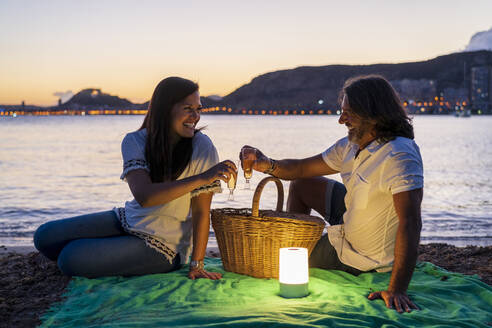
<point x="170" y="167"/>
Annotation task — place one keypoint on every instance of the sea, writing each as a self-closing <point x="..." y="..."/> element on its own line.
<point x="55" y="167"/>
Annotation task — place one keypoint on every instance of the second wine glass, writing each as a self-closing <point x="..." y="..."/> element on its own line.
<point x="248" y="156"/>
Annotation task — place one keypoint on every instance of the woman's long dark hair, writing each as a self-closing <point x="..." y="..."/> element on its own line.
<point x="373" y="98"/>
<point x="166" y="163"/>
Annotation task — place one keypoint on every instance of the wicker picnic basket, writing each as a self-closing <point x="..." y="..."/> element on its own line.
<point x="249" y="240"/>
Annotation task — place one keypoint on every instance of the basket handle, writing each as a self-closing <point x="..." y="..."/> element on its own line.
<point x="256" y="197"/>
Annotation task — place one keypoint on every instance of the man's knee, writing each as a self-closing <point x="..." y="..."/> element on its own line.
<point x="293" y="187"/>
<point x="309" y="193"/>
<point x="298" y="194"/>
<point x="299" y="186"/>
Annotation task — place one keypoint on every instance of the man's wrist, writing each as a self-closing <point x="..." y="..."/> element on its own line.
<point x="396" y="288"/>
<point x="272" y="167"/>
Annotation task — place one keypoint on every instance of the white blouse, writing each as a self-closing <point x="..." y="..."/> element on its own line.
<point x="167" y="227"/>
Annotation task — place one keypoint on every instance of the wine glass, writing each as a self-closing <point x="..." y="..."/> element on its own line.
<point x="248" y="156"/>
<point x="231" y="184"/>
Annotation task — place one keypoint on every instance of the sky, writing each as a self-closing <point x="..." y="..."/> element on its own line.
<point x="50" y="48"/>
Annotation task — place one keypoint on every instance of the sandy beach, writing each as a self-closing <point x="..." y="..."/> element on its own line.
<point x="30" y="283"/>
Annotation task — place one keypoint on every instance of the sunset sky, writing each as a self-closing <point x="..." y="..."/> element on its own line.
<point x="126" y="47"/>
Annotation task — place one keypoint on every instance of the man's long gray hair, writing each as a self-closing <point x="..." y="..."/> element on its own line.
<point x="373" y="98"/>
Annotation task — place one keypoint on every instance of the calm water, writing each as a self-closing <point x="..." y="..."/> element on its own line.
<point x="57" y="167"/>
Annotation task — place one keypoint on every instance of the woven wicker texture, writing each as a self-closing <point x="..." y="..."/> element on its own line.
<point x="249" y="244"/>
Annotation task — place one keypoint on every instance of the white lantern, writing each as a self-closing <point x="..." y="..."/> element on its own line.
<point x="293" y="272"/>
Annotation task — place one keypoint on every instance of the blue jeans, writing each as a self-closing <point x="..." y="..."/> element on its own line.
<point x="95" y="245"/>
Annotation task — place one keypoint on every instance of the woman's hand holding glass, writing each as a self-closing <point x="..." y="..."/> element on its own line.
<point x="223" y="171"/>
<point x="231" y="184"/>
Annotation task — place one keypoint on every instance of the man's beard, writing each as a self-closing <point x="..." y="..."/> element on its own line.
<point x="355" y="135"/>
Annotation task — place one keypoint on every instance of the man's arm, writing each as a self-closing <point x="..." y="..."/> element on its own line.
<point x="291" y="169"/>
<point x="407" y="206"/>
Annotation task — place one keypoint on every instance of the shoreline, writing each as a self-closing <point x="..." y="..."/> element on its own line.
<point x="30" y="283"/>
<point x="25" y="250"/>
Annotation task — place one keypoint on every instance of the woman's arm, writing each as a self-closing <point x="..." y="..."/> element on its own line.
<point x="200" y="209"/>
<point x="149" y="194"/>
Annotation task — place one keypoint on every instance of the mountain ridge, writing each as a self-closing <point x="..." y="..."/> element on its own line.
<point x="304" y="86"/>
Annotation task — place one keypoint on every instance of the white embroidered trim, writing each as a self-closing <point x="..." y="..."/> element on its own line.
<point x="149" y="241"/>
<point x="133" y="164"/>
<point x="213" y="187"/>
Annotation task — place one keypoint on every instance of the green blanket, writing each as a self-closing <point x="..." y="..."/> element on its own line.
<point x="337" y="299"/>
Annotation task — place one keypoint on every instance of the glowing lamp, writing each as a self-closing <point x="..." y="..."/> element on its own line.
<point x="293" y="272"/>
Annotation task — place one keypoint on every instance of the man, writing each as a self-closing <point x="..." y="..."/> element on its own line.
<point x="382" y="173"/>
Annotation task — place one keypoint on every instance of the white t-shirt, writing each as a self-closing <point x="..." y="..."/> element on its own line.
<point x="167" y="227"/>
<point x="366" y="239"/>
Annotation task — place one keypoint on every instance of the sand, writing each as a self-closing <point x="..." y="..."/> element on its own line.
<point x="30" y="283"/>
